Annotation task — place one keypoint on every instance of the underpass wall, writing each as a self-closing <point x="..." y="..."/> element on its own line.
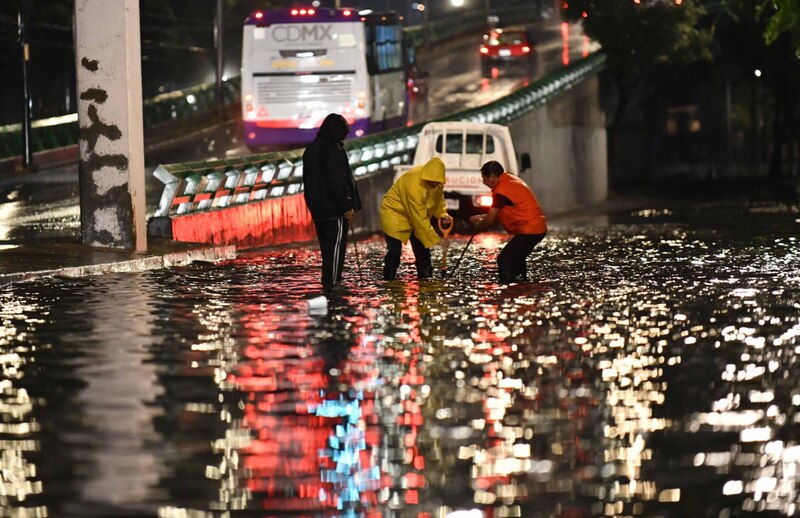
<point x="566" y="140"/>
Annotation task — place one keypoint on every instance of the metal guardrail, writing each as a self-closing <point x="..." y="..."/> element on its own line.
<point x="199" y="186"/>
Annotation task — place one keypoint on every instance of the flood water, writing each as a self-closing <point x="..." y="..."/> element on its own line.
<point x="650" y="369"/>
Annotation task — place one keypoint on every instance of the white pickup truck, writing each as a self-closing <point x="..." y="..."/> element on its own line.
<point x="464" y="147"/>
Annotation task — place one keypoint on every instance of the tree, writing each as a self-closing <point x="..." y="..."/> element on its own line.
<point x="784" y="20"/>
<point x="643" y="39"/>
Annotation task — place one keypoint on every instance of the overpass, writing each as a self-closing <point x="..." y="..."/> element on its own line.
<point x="369" y="172"/>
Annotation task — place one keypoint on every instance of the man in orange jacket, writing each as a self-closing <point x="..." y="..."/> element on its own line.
<point x="518" y="210"/>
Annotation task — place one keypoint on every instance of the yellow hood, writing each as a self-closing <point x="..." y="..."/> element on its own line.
<point x="433" y="170"/>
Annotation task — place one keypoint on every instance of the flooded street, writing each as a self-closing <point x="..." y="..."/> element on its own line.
<point x="649" y="369"/>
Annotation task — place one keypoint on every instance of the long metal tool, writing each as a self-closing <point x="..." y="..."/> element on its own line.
<point x="464" y="252"/>
<point x="445" y="234"/>
<point x="355" y="249"/>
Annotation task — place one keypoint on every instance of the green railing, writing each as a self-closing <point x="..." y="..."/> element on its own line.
<point x="215" y="184"/>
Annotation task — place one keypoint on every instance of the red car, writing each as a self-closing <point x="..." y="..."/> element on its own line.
<point x="509" y="45"/>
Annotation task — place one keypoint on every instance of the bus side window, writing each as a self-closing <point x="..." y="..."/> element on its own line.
<point x="385" y="48"/>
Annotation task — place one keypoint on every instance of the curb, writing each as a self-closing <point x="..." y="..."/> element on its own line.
<point x="211" y="254"/>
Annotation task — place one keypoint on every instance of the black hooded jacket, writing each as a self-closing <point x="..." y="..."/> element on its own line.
<point x="330" y="188"/>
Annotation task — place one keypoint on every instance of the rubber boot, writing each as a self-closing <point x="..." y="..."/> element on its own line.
<point x="424" y="272"/>
<point x="390" y="272"/>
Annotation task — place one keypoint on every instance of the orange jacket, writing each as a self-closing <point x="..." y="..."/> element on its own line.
<point x="525" y="216"/>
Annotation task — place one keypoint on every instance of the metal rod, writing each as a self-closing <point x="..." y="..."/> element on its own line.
<point x="27" y="157"/>
<point x="464" y="252"/>
<point x="218" y="43"/>
<point x="355" y="249"/>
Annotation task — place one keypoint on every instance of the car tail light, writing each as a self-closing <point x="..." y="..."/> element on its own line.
<point x="259" y="15"/>
<point x="347" y="12"/>
<point x="526" y="49"/>
<point x="484" y="49"/>
<point x="484" y="200"/>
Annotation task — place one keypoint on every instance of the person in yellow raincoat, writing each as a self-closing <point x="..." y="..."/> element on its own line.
<point x="406" y="212"/>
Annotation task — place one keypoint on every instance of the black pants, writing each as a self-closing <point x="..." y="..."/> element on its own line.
<point x="332" y="236"/>
<point x="391" y="262"/>
<point x="511" y="261"/>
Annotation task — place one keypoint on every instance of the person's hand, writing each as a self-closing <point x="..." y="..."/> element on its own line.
<point x="349" y="215"/>
<point x="476" y="220"/>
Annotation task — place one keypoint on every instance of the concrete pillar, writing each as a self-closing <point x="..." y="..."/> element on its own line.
<point x="111" y="141"/>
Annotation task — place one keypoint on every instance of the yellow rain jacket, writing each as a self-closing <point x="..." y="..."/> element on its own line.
<point x="410" y="204"/>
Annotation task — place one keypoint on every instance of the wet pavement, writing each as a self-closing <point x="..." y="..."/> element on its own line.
<point x="649" y="369"/>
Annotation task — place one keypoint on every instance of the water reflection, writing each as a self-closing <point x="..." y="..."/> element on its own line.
<point x="649" y="370"/>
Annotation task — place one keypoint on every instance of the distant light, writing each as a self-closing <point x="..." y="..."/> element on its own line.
<point x="259" y="15"/>
<point x="472" y="513"/>
<point x="485" y="200"/>
<point x="362" y="12"/>
<point x="457" y="3"/>
<point x="191" y="99"/>
<point x="224" y="77"/>
<point x="758" y="73"/>
<point x="311" y="11"/>
<point x="294" y="12"/>
<point x="584" y="14"/>
<point x="359" y="132"/>
<point x="678" y="2"/>
<point x="251" y="135"/>
<point x="315" y="3"/>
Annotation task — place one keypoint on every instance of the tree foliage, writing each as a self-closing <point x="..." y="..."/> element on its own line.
<point x="645" y="37"/>
<point x="783" y="19"/>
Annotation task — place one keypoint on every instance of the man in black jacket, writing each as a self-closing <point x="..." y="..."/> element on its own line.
<point x="331" y="194"/>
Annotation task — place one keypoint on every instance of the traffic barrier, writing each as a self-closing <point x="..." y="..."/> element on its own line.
<point x="192" y="190"/>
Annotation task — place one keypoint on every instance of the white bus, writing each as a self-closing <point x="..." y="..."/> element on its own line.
<point x="300" y="64"/>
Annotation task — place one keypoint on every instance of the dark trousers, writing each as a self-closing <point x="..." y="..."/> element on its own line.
<point x="391" y="262"/>
<point x="332" y="236"/>
<point x="511" y="261"/>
